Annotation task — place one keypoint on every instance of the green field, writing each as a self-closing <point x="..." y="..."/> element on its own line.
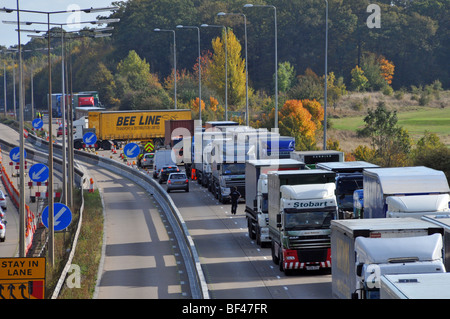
<point x="436" y="120"/>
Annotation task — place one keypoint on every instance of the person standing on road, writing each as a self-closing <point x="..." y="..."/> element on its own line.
<point x="235" y="195"/>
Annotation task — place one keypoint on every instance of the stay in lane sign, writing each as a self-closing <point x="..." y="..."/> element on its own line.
<point x="22" y="278"/>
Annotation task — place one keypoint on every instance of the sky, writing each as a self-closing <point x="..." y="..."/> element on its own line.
<point x="8" y="35"/>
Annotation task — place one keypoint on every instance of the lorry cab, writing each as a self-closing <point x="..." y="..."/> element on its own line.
<point x="376" y="257"/>
<point x="417" y="206"/>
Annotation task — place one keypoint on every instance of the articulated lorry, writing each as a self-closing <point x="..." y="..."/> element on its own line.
<point x="364" y="249"/>
<point x="349" y="178"/>
<point x="115" y="127"/>
<point x="256" y="194"/>
<point x="301" y="205"/>
<point x="228" y="170"/>
<point x="380" y="183"/>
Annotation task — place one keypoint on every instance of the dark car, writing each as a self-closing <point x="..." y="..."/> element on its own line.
<point x="165" y="172"/>
<point x="177" y="181"/>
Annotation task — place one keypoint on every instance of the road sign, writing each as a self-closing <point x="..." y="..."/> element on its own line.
<point x="131" y="150"/>
<point x="62" y="219"/>
<point x="89" y="138"/>
<point x="39" y="172"/>
<point x="22" y="278"/>
<point x="37" y="124"/>
<point x="149" y="147"/>
<point x="14" y="154"/>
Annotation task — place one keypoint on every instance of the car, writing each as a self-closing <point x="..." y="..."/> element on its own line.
<point x="60" y="131"/>
<point x="177" y="181"/>
<point x="146" y="160"/>
<point x="2" y="215"/>
<point x="2" y="230"/>
<point x="3" y="200"/>
<point x="165" y="172"/>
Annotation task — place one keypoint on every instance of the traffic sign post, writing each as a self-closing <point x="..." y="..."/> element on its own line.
<point x="39" y="172"/>
<point x="37" y="124"/>
<point x="14" y="154"/>
<point x="89" y="138"/>
<point x="62" y="216"/>
<point x="131" y="150"/>
<point x="22" y="278"/>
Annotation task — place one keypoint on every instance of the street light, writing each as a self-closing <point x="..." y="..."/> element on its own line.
<point x="174" y="62"/>
<point x="326" y="84"/>
<point x="66" y="159"/>
<point x="276" y="55"/>
<point x="226" y="64"/>
<point x="221" y="14"/>
<point x="199" y="68"/>
<point x="51" y="247"/>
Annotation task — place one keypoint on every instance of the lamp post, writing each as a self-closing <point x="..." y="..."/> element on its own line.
<point x="276" y="55"/>
<point x="22" y="250"/>
<point x="199" y="68"/>
<point x="326" y="73"/>
<point x="221" y="14"/>
<point x="226" y="64"/>
<point x="174" y="62"/>
<point x="67" y="158"/>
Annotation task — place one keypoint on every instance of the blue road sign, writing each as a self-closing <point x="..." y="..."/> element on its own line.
<point x="62" y="216"/>
<point x="37" y="124"/>
<point x="39" y="172"/>
<point x="14" y="154"/>
<point x="131" y="150"/>
<point x="89" y="138"/>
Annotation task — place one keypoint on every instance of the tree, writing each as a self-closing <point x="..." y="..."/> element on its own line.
<point x="286" y="76"/>
<point x="235" y="68"/>
<point x="391" y="143"/>
<point x="387" y="69"/>
<point x="139" y="89"/>
<point x="431" y="152"/>
<point x="297" y="121"/>
<point x="309" y="86"/>
<point x="359" y="81"/>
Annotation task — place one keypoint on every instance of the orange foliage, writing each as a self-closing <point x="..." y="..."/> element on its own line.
<point x="387" y="69"/>
<point x="316" y="110"/>
<point x="194" y="105"/>
<point x="213" y="103"/>
<point x="294" y="113"/>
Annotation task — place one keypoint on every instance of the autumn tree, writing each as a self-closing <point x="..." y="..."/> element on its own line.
<point x="359" y="80"/>
<point x="235" y="68"/>
<point x="296" y="121"/>
<point x="387" y="69"/>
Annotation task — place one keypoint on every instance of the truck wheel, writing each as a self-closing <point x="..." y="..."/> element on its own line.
<point x="258" y="236"/>
<point x="251" y="234"/>
<point x="275" y="259"/>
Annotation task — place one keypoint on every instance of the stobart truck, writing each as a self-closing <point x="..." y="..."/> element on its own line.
<point x="113" y="127"/>
<point x="301" y="206"/>
<point x="256" y="202"/>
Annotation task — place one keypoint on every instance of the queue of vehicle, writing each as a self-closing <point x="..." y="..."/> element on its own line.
<point x="359" y="221"/>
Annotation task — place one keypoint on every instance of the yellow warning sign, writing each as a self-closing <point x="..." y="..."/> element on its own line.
<point x="22" y="278"/>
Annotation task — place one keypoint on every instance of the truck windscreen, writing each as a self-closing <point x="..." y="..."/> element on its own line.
<point x="234" y="169"/>
<point x="298" y="219"/>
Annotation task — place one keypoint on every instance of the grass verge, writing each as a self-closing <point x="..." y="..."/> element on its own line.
<point x="89" y="247"/>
